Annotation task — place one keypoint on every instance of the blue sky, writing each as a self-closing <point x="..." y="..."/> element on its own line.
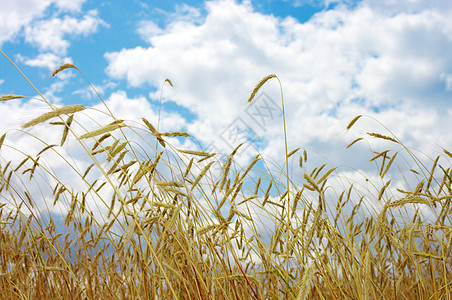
<point x="336" y="59"/>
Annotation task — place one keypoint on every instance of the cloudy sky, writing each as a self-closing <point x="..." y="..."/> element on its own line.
<point x="335" y="59"/>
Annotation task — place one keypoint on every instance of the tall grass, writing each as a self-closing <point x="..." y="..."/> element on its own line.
<point x="175" y="229"/>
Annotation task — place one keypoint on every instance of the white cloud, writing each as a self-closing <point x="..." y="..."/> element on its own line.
<point x="49" y="34"/>
<point x="15" y="14"/>
<point x="447" y="78"/>
<point x="88" y="93"/>
<point x="341" y="63"/>
<point x="49" y="61"/>
<point x="408" y="6"/>
<point x="147" y="29"/>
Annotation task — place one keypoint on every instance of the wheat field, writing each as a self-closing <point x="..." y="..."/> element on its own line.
<point x="175" y="229"/>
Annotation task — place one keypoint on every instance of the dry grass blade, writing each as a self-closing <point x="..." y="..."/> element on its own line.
<point x="10" y="97"/>
<point x="259" y="85"/>
<point x="352" y="122"/>
<point x="68" y="109"/>
<point x="102" y="130"/>
<point x="63" y="67"/>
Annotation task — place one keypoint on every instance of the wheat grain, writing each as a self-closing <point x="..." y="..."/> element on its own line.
<point x="198" y="153"/>
<point x="100" y="140"/>
<point x="267" y="193"/>
<point x="352" y="122"/>
<point x="63" y="67"/>
<point x="388" y="165"/>
<point x="175" y="191"/>
<point x="203" y="172"/>
<point x="352" y="143"/>
<point x="68" y="109"/>
<point x="118" y="149"/>
<point x="380" y="194"/>
<point x="2" y="139"/>
<point x="418" y="188"/>
<point x="206" y="157"/>
<point x="295" y="202"/>
<point x="431" y="173"/>
<point x="175" y="134"/>
<point x="10" y="97"/>
<point x="384" y="137"/>
<point x="66" y="129"/>
<point x="259" y="85"/>
<point x="250" y="166"/>
<point x="448" y="153"/>
<point x="188" y="167"/>
<point x="227" y="166"/>
<point x="256" y="188"/>
<point x="306" y="280"/>
<point x="325" y="176"/>
<point x="317" y="171"/>
<point x="383" y="153"/>
<point x="102" y="130"/>
<point x="292" y="152"/>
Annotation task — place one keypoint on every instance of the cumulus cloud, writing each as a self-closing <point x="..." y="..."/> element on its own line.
<point x="14" y="15"/>
<point x="49" y="34"/>
<point x="49" y="61"/>
<point x="343" y="62"/>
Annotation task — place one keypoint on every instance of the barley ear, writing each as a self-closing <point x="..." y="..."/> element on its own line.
<point x="306" y="280"/>
<point x="169" y="81"/>
<point x="259" y="85"/>
<point x="68" y="109"/>
<point x="10" y="97"/>
<point x="63" y="67"/>
<point x="2" y="139"/>
<point x="352" y="122"/>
